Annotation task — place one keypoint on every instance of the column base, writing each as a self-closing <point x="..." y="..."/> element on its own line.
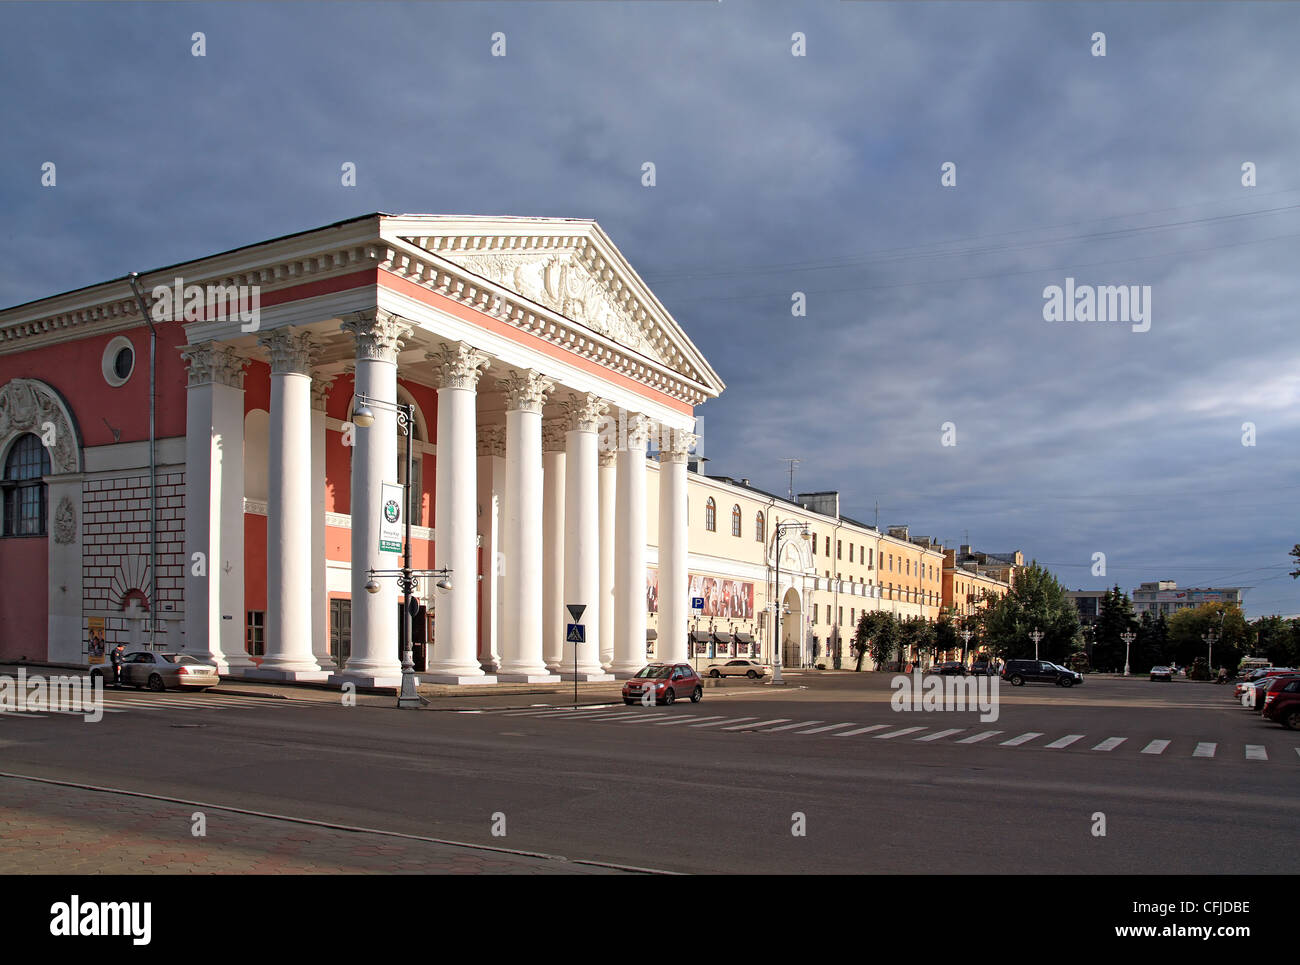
<point x="268" y="673"/>
<point x="587" y="675"/>
<point x="364" y="679"/>
<point x="528" y="678"/>
<point x="459" y="679"/>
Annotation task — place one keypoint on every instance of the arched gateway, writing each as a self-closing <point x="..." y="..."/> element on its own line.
<point x="523" y="343"/>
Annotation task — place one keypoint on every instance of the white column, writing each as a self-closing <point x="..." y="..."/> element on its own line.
<point x="582" y="535"/>
<point x="608" y="495"/>
<point x="214" y="496"/>
<point x="491" y="521"/>
<point x="455" y="624"/>
<point x="554" y="464"/>
<point x="674" y="607"/>
<point x="521" y="584"/>
<point x="288" y="513"/>
<point x="630" y="552"/>
<point x="374" y="660"/>
<point x="320" y="620"/>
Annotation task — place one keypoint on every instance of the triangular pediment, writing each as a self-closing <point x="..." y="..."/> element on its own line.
<point x="569" y="267"/>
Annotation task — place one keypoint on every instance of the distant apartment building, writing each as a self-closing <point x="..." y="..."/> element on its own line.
<point x="1164" y="597"/>
<point x="1088" y="603"/>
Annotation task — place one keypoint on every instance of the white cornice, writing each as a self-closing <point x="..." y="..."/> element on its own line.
<point x="274" y="265"/>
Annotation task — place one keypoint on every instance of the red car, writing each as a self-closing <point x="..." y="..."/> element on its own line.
<point x="666" y="682"/>
<point x="1283" y="690"/>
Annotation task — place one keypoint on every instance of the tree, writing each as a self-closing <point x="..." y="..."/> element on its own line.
<point x="1152" y="643"/>
<point x="1114" y="619"/>
<point x="1036" y="601"/>
<point x="916" y="632"/>
<point x="1276" y="639"/>
<point x="1188" y="629"/>
<point x="1295" y="553"/>
<point x="877" y="637"/>
<point x="945" y="635"/>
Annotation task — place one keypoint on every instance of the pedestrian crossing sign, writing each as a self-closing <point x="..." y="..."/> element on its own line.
<point x="577" y="633"/>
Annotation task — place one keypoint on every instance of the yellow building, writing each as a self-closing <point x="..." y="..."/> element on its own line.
<point x="826" y="582"/>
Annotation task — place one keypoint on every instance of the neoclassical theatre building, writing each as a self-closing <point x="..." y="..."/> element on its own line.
<point x="240" y="516"/>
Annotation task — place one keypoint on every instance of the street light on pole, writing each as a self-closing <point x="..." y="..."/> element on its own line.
<point x="1128" y="636"/>
<point x="776" y="605"/>
<point x="1035" y="636"/>
<point x="407" y="576"/>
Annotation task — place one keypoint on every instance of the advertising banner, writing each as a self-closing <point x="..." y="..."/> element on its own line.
<point x="391" y="526"/>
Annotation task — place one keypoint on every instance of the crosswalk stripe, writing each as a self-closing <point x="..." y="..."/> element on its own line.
<point x="685" y="720"/>
<point x="639" y="717"/>
<point x="941" y="734"/>
<point x="802" y="723"/>
<point x="1065" y="741"/>
<point x="1256" y="752"/>
<point x="822" y="730"/>
<point x="976" y="738"/>
<point x="761" y="723"/>
<point x="860" y="730"/>
<point x="1156" y="747"/>
<point x="725" y="720"/>
<point x="1110" y="743"/>
<point x="898" y="733"/>
<point x="1022" y="739"/>
<point x="1204" y="749"/>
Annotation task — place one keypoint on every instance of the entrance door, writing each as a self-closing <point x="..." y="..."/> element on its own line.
<point x="340" y="631"/>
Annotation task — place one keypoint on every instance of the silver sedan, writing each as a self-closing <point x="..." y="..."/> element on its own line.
<point x="162" y="671"/>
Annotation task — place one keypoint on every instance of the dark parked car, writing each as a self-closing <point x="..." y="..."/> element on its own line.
<point x="1019" y="672"/>
<point x="666" y="682"/>
<point x="949" y="667"/>
<point x="1282" y="702"/>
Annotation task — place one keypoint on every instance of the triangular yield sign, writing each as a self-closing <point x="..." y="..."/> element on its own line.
<point x="576" y="610"/>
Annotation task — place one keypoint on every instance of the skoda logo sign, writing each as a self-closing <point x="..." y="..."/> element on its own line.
<point x="392" y="512"/>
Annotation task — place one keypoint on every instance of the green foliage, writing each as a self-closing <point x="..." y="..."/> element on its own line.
<point x="1036" y="601"/>
<point x="877" y="636"/>
<point x="1189" y="628"/>
<point x="1114" y="619"/>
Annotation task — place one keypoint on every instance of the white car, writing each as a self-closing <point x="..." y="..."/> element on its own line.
<point x="740" y="668"/>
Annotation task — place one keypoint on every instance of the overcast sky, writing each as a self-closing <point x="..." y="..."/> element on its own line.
<point x="777" y="174"/>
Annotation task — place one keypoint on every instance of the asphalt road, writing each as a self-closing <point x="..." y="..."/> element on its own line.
<point x="717" y="787"/>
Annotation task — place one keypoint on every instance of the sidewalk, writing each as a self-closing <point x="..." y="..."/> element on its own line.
<point x="54" y="829"/>
<point x="442" y="697"/>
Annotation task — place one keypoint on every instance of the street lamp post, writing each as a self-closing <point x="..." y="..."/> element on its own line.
<point x="965" y="643"/>
<point x="1128" y="636"/>
<point x="407" y="576"/>
<point x="1035" y="636"/>
<point x="776" y="605"/>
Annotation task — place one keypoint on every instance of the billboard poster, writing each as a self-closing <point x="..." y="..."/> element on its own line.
<point x="95" y="639"/>
<point x="651" y="590"/>
<point x="730" y="599"/>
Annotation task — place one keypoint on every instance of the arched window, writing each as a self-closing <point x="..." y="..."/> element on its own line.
<point x="735" y="520"/>
<point x="710" y="515"/>
<point x="25" y="496"/>
<point x="760" y="527"/>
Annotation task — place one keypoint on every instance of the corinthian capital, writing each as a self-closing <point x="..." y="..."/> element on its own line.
<point x="526" y="391"/>
<point x="491" y="440"/>
<point x="583" y="412"/>
<point x="553" y="436"/>
<point x="461" y="365"/>
<point x="379" y="334"/>
<point x="320" y="389"/>
<point x="640" y="429"/>
<point x="211" y="363"/>
<point x="290" y="354"/>
<point x="676" y="444"/>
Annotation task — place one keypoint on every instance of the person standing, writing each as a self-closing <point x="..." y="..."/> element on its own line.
<point x="118" y="658"/>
